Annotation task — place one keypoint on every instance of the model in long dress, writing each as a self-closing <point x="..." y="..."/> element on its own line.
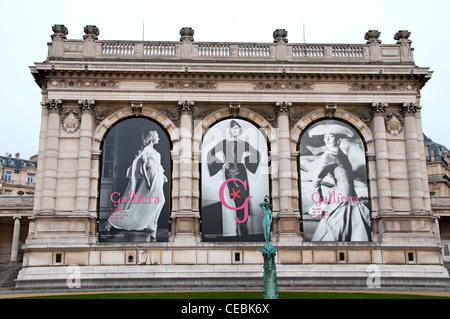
<point x="238" y="157"/>
<point x="144" y="195"/>
<point x="345" y="218"/>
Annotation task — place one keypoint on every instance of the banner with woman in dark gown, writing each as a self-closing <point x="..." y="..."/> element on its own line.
<point x="234" y="181"/>
<point x="134" y="186"/>
<point x="333" y="182"/>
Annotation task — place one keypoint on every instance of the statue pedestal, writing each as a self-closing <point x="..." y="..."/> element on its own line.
<point x="270" y="271"/>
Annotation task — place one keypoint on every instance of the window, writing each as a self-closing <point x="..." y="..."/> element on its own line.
<point x="30" y="178"/>
<point x="8" y="175"/>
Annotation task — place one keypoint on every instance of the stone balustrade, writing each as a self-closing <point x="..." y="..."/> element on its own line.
<point x="186" y="49"/>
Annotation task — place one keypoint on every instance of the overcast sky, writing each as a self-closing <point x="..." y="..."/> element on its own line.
<point x="26" y="28"/>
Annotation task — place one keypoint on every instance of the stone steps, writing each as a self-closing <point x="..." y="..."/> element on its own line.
<point x="290" y="277"/>
<point x="8" y="274"/>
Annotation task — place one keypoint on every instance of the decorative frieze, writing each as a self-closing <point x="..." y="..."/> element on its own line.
<point x="382" y="87"/>
<point x="186" y="85"/>
<point x="83" y="84"/>
<point x="282" y="86"/>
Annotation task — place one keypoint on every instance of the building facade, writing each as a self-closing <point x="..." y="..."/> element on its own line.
<point x="16" y="204"/>
<point x="154" y="157"/>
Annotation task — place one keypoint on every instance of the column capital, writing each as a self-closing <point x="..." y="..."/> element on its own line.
<point x="378" y="108"/>
<point x="283" y="106"/>
<point x="17" y="217"/>
<point x="186" y="106"/>
<point x="54" y="105"/>
<point x="410" y="108"/>
<point x="86" y="105"/>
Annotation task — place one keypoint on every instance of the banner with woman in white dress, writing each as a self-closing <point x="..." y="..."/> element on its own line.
<point x="134" y="186"/>
<point x="333" y="182"/>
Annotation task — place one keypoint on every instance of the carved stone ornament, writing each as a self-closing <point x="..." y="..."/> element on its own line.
<point x="402" y="36"/>
<point x="60" y="31"/>
<point x="91" y="32"/>
<point x="330" y="109"/>
<point x="394" y="124"/>
<point x="280" y="36"/>
<point x="187" y="35"/>
<point x="71" y="121"/>
<point x="372" y="36"/>
<point x="136" y="107"/>
<point x="234" y="108"/>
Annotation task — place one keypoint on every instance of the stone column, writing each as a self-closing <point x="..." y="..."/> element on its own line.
<point x="288" y="219"/>
<point x="413" y="157"/>
<point x="381" y="158"/>
<point x="54" y="108"/>
<point x="84" y="156"/>
<point x="185" y="221"/>
<point x="284" y="157"/>
<point x="15" y="239"/>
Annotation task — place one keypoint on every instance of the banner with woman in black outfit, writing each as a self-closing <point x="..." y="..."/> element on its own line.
<point x="234" y="181"/>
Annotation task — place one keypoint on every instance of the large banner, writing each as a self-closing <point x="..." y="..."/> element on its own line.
<point x="134" y="186"/>
<point x="235" y="180"/>
<point x="333" y="182"/>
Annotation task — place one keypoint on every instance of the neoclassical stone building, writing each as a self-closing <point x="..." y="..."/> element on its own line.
<point x="154" y="157"/>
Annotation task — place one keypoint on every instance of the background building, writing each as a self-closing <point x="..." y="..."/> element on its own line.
<point x="146" y="148"/>
<point x="16" y="204"/>
<point x="439" y="181"/>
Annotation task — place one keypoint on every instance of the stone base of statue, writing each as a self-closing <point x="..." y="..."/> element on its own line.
<point x="270" y="271"/>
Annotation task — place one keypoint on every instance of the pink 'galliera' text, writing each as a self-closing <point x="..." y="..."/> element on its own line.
<point x="116" y="198"/>
<point x="333" y="197"/>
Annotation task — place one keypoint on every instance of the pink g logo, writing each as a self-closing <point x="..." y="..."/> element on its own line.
<point x="235" y="194"/>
